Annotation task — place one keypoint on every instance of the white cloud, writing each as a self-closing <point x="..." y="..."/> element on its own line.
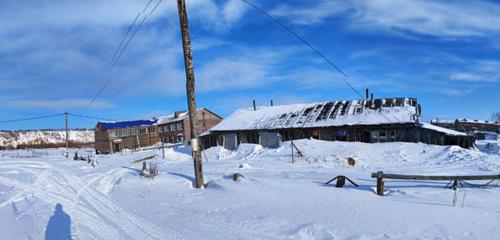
<point x="436" y="18"/>
<point x="454" y="92"/>
<point x="54" y="104"/>
<point x="244" y="69"/>
<point x="479" y="71"/>
<point x="312" y="13"/>
<point x="63" y="48"/>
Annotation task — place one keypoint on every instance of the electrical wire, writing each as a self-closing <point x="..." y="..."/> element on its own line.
<point x="31" y="118"/>
<point x="89" y="117"/>
<point x="120" y="50"/>
<point x="315" y="50"/>
<point x="275" y="20"/>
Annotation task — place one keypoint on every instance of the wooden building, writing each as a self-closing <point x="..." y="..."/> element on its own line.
<point x="175" y="129"/>
<point x="366" y="120"/>
<point x="468" y="125"/>
<point x="115" y="136"/>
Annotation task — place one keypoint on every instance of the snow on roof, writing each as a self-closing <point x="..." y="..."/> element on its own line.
<point x="443" y="121"/>
<point x="440" y="129"/>
<point x="126" y="124"/>
<point x="323" y="114"/>
<point x="477" y="121"/>
<point x="173" y="118"/>
<point x="179" y="115"/>
<point x="465" y="120"/>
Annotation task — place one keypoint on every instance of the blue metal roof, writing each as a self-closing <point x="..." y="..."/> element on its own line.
<point x="126" y="124"/>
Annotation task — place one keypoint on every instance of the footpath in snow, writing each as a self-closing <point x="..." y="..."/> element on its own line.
<point x="44" y="194"/>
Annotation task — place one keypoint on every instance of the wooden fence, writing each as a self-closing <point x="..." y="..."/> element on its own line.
<point x="455" y="178"/>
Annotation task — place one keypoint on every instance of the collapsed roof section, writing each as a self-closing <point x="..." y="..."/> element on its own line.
<point x="324" y="114"/>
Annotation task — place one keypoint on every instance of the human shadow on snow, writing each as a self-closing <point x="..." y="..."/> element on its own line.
<point x="59" y="225"/>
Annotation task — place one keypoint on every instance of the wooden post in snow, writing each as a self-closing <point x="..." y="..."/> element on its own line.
<point x="67" y="134"/>
<point x="188" y="64"/>
<point x="380" y="183"/>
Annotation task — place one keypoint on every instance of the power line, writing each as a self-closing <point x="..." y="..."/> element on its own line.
<point x="121" y="50"/>
<point x="316" y="51"/>
<point x="128" y="32"/>
<point x="31" y="118"/>
<point x="275" y="20"/>
<point x="90" y="117"/>
<point x="123" y="39"/>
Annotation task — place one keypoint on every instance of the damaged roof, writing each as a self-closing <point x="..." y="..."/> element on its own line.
<point x="323" y="114"/>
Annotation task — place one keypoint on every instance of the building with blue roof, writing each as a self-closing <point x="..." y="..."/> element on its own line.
<point x="134" y="134"/>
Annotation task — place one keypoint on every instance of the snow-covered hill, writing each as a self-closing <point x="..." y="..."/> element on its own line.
<point x="44" y="137"/>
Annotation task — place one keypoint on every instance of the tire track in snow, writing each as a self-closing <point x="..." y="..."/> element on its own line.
<point x="124" y="218"/>
<point x="99" y="214"/>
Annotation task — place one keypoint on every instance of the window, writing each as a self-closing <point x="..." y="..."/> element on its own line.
<point x="179" y="126"/>
<point x="358" y="110"/>
<point x="172" y="127"/>
<point x="151" y="129"/>
<point x="392" y="136"/>
<point x="374" y="136"/>
<point x="143" y="131"/>
<point x="382" y="136"/>
<point x="112" y="133"/>
<point x="180" y="138"/>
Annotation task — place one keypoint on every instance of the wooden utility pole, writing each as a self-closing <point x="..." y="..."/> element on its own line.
<point x="67" y="134"/>
<point x="188" y="64"/>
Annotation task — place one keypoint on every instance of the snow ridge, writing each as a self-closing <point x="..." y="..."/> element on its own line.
<point x="40" y="137"/>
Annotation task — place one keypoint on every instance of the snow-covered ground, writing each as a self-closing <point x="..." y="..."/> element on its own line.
<point x="41" y="192"/>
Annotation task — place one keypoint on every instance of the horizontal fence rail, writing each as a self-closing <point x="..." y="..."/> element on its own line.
<point x="381" y="175"/>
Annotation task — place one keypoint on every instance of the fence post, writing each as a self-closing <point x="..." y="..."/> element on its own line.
<point x="380" y="183"/>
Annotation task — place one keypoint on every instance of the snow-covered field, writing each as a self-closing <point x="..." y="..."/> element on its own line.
<point x="41" y="192"/>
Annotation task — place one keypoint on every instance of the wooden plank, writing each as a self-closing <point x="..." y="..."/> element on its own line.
<point x="437" y="177"/>
<point x="144" y="159"/>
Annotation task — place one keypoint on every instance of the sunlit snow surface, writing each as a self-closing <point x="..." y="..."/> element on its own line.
<point x="276" y="199"/>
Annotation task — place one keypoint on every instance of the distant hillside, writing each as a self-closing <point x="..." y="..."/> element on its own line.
<point x="45" y="138"/>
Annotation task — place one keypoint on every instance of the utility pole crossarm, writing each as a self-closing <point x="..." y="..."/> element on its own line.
<point x="190" y="90"/>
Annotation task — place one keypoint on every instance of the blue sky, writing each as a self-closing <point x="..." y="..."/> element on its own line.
<point x="54" y="56"/>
